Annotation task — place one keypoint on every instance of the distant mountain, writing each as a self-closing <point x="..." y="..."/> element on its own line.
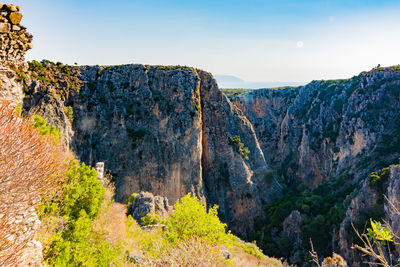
<point x="230" y="81"/>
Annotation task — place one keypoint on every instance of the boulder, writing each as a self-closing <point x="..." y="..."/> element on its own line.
<point x="145" y="203"/>
<point x="226" y="254"/>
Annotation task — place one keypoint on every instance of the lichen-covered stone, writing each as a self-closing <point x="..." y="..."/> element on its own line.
<point x="14" y="40"/>
<point x="15" y="18"/>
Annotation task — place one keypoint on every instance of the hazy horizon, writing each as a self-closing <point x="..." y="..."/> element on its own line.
<point x="258" y="41"/>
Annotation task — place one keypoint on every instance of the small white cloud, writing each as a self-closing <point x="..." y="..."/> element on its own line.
<point x="299" y="44"/>
<point x="331" y="18"/>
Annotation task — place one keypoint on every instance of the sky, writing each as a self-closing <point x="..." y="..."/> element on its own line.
<point x="255" y="40"/>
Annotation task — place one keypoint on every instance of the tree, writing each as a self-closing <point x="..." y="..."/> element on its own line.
<point x="191" y="218"/>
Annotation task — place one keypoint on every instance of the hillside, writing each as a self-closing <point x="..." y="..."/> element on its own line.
<point x="327" y="136"/>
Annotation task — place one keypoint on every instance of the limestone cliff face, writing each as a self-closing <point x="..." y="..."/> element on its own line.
<point x="237" y="185"/>
<point x="372" y="201"/>
<point x="143" y="123"/>
<point x="328" y="128"/>
<point x="163" y="130"/>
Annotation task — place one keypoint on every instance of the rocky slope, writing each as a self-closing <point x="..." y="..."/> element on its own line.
<point x="328" y="133"/>
<point x="328" y="128"/>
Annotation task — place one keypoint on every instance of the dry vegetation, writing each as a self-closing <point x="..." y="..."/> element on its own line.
<point x="31" y="166"/>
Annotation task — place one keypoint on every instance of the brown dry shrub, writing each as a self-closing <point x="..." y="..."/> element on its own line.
<point x="31" y="167"/>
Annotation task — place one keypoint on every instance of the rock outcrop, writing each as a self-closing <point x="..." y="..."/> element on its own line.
<point x="14" y="42"/>
<point x="233" y="182"/>
<point x="145" y="203"/>
<point x="392" y="205"/>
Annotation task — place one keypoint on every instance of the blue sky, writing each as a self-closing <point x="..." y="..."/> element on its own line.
<point x="256" y="40"/>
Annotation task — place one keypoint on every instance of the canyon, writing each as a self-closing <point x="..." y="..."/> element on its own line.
<point x="170" y="130"/>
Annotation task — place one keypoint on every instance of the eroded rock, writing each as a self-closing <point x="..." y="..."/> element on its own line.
<point x="145" y="203"/>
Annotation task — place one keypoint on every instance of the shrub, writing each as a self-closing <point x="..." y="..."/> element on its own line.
<point x="110" y="86"/>
<point x="130" y="199"/>
<point x="151" y="219"/>
<point x="70" y="113"/>
<point x="191" y="218"/>
<point x="41" y="124"/>
<point x="74" y="241"/>
<point x="22" y="76"/>
<point x="35" y="65"/>
<point x="239" y="147"/>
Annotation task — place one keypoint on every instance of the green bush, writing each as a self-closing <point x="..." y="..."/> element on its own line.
<point x="151" y="219"/>
<point x="82" y="191"/>
<point x="41" y="124"/>
<point x="191" y="218"/>
<point x="378" y="178"/>
<point x="70" y="113"/>
<point x="75" y="243"/>
<point x="130" y="199"/>
<point x="35" y="65"/>
<point x="110" y="86"/>
<point x="239" y="147"/>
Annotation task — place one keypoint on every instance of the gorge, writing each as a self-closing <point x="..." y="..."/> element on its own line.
<point x="284" y="165"/>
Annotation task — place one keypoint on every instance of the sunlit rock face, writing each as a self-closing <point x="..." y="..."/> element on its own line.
<point x="163" y="130"/>
<point x="328" y="128"/>
<point x="143" y="124"/>
<point x="340" y="129"/>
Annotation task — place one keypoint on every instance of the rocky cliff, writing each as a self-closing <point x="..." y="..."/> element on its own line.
<point x="328" y="135"/>
<point x="328" y="128"/>
<point x="164" y="130"/>
<point x="170" y="130"/>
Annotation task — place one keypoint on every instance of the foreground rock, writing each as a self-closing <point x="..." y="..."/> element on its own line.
<point x="145" y="203"/>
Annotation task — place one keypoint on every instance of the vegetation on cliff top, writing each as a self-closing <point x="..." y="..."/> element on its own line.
<point x="63" y="78"/>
